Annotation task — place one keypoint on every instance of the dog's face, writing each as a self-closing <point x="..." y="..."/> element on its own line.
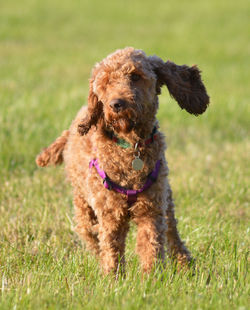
<point x="125" y="85"/>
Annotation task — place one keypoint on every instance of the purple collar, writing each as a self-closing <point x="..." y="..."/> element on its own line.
<point x="131" y="194"/>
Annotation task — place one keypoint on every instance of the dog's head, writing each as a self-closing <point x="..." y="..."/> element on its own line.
<point x="124" y="89"/>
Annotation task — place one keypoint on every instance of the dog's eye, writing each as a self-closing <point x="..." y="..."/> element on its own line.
<point x="135" y="77"/>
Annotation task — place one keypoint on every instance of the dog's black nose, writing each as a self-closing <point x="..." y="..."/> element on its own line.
<point x="117" y="105"/>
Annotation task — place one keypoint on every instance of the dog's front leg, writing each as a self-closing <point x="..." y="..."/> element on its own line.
<point x="112" y="234"/>
<point x="150" y="239"/>
<point x="86" y="224"/>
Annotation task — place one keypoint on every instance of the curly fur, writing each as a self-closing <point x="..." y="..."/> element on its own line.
<point x="102" y="216"/>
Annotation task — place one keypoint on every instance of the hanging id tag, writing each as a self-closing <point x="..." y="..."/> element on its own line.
<point x="137" y="163"/>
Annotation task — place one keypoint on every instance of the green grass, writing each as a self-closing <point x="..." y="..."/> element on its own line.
<point x="47" y="49"/>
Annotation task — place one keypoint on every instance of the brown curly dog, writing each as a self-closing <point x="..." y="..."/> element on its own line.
<point x="114" y="155"/>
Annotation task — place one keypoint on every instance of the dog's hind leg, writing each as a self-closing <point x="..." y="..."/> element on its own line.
<point x="86" y="224"/>
<point x="176" y="246"/>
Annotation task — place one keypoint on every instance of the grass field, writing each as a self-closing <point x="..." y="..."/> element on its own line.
<point x="47" y="49"/>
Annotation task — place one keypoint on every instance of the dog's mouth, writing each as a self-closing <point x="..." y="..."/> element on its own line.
<point x="123" y="121"/>
<point x="122" y="125"/>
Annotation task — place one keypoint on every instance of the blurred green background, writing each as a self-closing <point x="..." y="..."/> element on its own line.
<point x="47" y="50"/>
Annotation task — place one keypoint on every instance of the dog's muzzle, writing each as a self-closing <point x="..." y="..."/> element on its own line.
<point x="118" y="105"/>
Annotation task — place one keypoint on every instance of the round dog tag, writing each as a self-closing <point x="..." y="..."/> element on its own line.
<point x="137" y="164"/>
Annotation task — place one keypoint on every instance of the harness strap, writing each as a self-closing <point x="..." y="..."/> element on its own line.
<point x="130" y="193"/>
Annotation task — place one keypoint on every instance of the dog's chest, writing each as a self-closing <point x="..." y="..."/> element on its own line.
<point x="119" y="165"/>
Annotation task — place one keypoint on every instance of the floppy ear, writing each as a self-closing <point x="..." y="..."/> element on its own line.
<point x="184" y="84"/>
<point x="94" y="111"/>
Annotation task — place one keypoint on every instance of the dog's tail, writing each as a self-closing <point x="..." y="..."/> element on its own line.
<point x="53" y="154"/>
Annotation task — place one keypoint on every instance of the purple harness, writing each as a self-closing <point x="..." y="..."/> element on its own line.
<point x="131" y="194"/>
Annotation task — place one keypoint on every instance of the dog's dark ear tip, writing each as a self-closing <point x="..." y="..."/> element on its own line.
<point x="196" y="106"/>
<point x="202" y="108"/>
